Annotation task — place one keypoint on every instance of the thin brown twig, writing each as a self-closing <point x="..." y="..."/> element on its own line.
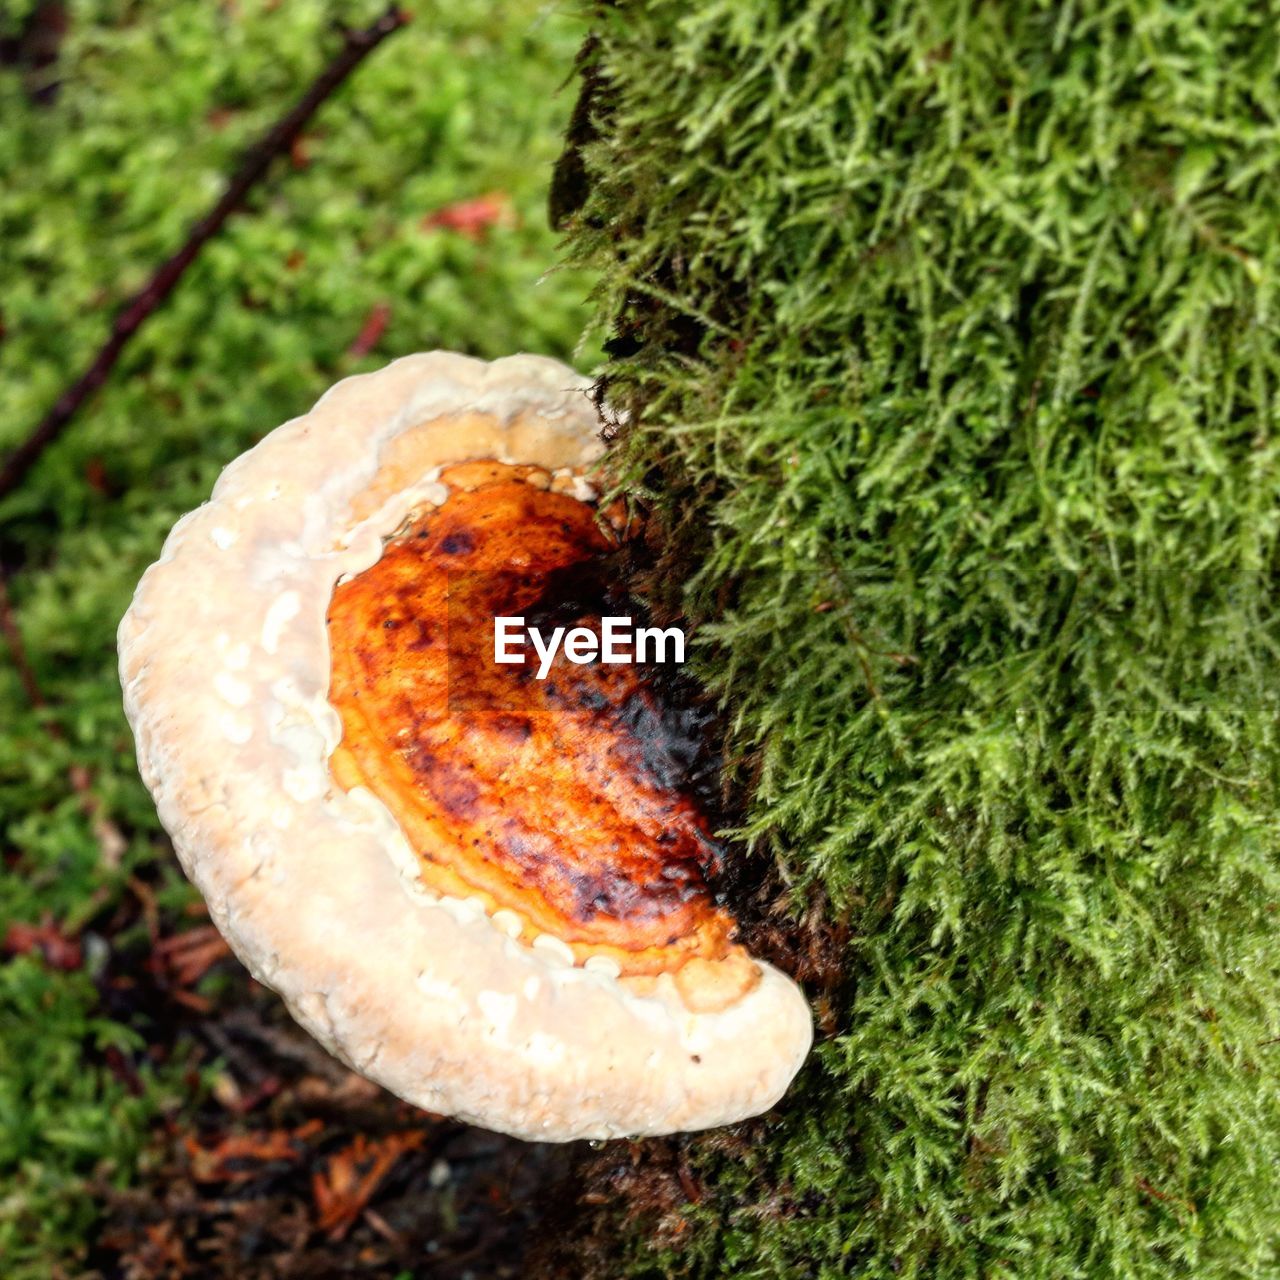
<point x="17" y="648"/>
<point x="357" y="45"/>
<point x="1144" y="1185"/>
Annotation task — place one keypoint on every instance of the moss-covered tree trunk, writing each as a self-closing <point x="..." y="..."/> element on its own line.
<point x="948" y="335"/>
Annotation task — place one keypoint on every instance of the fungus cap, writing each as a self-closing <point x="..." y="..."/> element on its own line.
<point x="226" y="667"/>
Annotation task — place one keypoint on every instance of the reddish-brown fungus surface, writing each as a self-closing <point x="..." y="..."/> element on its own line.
<point x="565" y="800"/>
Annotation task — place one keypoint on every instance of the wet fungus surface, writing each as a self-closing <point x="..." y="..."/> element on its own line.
<point x="577" y="806"/>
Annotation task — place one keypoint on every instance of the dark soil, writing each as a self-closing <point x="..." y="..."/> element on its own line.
<point x="289" y="1165"/>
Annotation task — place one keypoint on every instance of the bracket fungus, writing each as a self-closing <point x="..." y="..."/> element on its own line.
<point x="491" y="896"/>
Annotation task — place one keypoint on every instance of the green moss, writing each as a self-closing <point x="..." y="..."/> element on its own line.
<point x="953" y="367"/>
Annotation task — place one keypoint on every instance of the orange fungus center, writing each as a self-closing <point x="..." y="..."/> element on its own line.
<point x="565" y="801"/>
